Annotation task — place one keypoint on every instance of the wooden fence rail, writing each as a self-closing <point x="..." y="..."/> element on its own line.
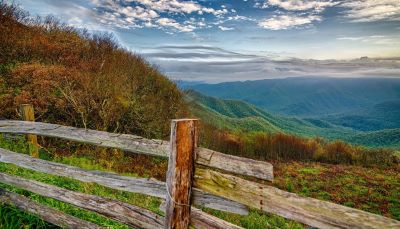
<point x="46" y="213"/>
<point x="130" y="184"/>
<point x="122" y="212"/>
<point x="211" y="189"/>
<point x="136" y="144"/>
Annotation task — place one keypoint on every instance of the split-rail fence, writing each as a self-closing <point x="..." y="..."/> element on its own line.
<point x="196" y="177"/>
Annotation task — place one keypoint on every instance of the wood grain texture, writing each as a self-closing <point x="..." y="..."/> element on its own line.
<point x="28" y="114"/>
<point x="146" y="186"/>
<point x="202" y="220"/>
<point x="180" y="173"/>
<point x="238" y="165"/>
<point x="313" y="212"/>
<point x="136" y="144"/>
<point x="46" y="213"/>
<point x="124" y="142"/>
<point x="125" y="213"/>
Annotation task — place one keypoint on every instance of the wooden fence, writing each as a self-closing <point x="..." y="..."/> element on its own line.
<point x="190" y="180"/>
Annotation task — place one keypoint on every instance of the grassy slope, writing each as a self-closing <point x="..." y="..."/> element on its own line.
<point x="238" y="115"/>
<point x="255" y="219"/>
<point x="370" y="189"/>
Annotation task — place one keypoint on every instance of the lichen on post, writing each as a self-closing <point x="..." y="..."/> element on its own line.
<point x="180" y="172"/>
<point x="28" y="114"/>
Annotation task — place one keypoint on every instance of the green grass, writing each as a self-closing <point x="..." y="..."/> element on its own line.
<point x="12" y="218"/>
<point x="255" y="219"/>
<point x="374" y="190"/>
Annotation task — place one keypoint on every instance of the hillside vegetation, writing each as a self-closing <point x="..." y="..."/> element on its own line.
<point x="236" y="115"/>
<point x="308" y="97"/>
<point x="251" y="118"/>
<point x="80" y="79"/>
<point x="362" y="111"/>
<point x="242" y="129"/>
<point x="384" y="115"/>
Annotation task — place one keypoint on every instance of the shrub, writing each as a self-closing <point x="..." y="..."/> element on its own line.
<point x="80" y="79"/>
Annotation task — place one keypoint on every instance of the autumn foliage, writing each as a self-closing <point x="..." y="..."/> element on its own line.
<point x="86" y="80"/>
<point x="284" y="147"/>
<point x="80" y="79"/>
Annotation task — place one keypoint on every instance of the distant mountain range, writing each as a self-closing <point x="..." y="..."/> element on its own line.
<point x="369" y="116"/>
<point x="307" y="97"/>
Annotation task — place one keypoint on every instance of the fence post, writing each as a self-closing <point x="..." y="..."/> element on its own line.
<point x="180" y="173"/>
<point x="28" y="114"/>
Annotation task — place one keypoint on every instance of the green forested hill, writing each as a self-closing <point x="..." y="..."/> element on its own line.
<point x="308" y="97"/>
<point x="387" y="137"/>
<point x="237" y="115"/>
<point x="384" y="115"/>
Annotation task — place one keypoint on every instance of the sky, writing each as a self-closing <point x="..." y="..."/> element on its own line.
<point x="219" y="40"/>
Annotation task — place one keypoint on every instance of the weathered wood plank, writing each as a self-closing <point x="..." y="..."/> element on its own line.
<point x="238" y="165"/>
<point x="136" y="144"/>
<point x="28" y="114"/>
<point x="117" y="210"/>
<point x="180" y="173"/>
<point x="309" y="211"/>
<point x="125" y="213"/>
<point x="124" y="142"/>
<point x="46" y="213"/>
<point x="149" y="187"/>
<point x="202" y="220"/>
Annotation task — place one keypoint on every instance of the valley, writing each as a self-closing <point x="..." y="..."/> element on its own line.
<point x="270" y="105"/>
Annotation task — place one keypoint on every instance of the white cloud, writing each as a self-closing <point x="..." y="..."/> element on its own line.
<point x="176" y="6"/>
<point x="170" y="5"/>
<point x="373" y="39"/>
<point x="372" y="10"/>
<point x="309" y="13"/>
<point x="225" y="28"/>
<point x="168" y="22"/>
<point x="239" y="18"/>
<point x="287" y="21"/>
<point x="213" y="64"/>
<point x="294" y="5"/>
<point x="162" y="14"/>
<point x="138" y="13"/>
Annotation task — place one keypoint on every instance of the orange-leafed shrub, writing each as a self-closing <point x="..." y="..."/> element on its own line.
<point x="76" y="78"/>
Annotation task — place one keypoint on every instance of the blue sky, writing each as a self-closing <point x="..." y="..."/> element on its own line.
<point x="219" y="40"/>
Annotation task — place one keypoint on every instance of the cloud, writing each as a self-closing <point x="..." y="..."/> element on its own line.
<point x="198" y="53"/>
<point x="212" y="64"/>
<point x="239" y="18"/>
<point x="295" y="5"/>
<point x="309" y="12"/>
<point x="374" y="39"/>
<point x="372" y="10"/>
<point x="138" y="13"/>
<point x="282" y="22"/>
<point x="168" y="22"/>
<point x="225" y="28"/>
<point x="168" y="15"/>
<point x="172" y="6"/>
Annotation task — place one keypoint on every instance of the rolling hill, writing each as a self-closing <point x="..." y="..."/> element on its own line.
<point x="236" y="115"/>
<point x="308" y="97"/>
<point x="385" y="115"/>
